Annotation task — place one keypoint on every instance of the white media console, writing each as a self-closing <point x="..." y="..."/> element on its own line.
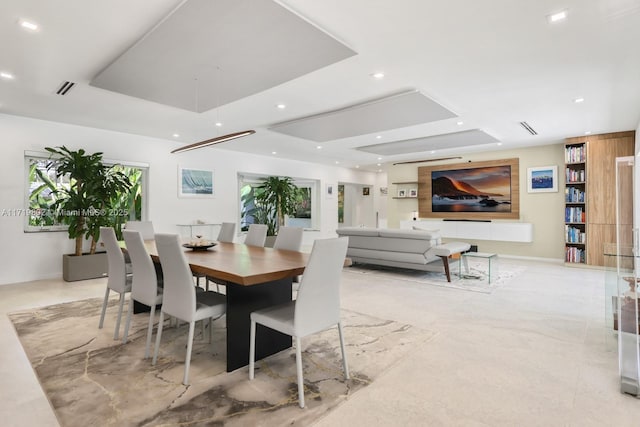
<point x="504" y="231"/>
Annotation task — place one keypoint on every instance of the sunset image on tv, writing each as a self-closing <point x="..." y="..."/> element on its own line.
<point x="485" y="189"/>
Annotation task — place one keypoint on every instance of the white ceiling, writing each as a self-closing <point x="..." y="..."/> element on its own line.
<point x="493" y="63"/>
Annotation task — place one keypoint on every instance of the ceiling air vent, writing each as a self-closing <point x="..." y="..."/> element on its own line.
<point x="64" y="88"/>
<point x="528" y="128"/>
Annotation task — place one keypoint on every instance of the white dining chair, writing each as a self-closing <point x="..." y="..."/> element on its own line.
<point x="289" y="238"/>
<point x="145" y="286"/>
<point x="316" y="309"/>
<point x="226" y="235"/>
<point x="180" y="297"/>
<point x="119" y="279"/>
<point x="256" y="235"/>
<point x="144" y="227"/>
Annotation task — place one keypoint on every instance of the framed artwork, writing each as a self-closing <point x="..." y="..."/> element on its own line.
<point x="329" y="191"/>
<point x="365" y="191"/>
<point x="384" y="191"/>
<point x="195" y="182"/>
<point x="543" y="179"/>
<point x="402" y="193"/>
<point x="413" y="192"/>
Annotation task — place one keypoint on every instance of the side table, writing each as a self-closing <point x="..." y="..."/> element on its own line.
<point x="491" y="261"/>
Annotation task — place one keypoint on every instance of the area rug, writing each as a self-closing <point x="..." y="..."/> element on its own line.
<point x="475" y="280"/>
<point x="90" y="379"/>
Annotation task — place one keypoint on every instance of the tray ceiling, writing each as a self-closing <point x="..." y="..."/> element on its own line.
<point x="437" y="142"/>
<point x="390" y="112"/>
<point x="209" y="53"/>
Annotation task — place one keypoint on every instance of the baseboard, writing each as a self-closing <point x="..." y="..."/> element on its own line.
<point x="533" y="258"/>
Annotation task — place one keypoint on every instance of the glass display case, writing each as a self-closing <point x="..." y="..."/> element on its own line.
<point x="625" y="303"/>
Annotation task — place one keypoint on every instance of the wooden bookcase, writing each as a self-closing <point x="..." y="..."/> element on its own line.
<point x="575" y="202"/>
<point x="590" y="186"/>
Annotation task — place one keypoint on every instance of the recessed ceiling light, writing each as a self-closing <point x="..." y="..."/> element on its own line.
<point x="176" y="135"/>
<point x="558" y="16"/>
<point x="274" y="152"/>
<point x="281" y="106"/>
<point x="319" y="147"/>
<point x="378" y="75"/>
<point x="218" y="124"/>
<point x="379" y="158"/>
<point x="379" y="137"/>
<point x="29" y="25"/>
<point x="379" y="164"/>
<point x="379" y="170"/>
<point x="337" y="162"/>
<point x="460" y="123"/>
<point x="588" y="132"/>
<point x="6" y="75"/>
<point x="499" y="143"/>
<point x="358" y="166"/>
<point x="578" y="100"/>
<point x="433" y="151"/>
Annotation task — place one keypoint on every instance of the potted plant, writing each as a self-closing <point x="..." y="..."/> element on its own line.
<point x="85" y="205"/>
<point x="270" y="202"/>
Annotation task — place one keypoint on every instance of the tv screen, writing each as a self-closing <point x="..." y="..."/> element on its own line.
<point x="482" y="189"/>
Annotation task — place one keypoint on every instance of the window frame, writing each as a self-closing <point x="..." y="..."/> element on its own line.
<point x="39" y="155"/>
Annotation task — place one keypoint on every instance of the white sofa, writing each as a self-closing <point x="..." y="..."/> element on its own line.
<point x="414" y="249"/>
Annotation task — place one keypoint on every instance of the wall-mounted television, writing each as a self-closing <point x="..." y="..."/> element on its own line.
<point x="475" y="190"/>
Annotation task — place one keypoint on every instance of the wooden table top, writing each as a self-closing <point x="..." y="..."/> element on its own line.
<point x="243" y="264"/>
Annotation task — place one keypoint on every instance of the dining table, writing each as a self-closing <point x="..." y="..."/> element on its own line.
<point x="255" y="278"/>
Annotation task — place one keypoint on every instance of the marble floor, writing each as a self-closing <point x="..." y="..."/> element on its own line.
<point x="534" y="352"/>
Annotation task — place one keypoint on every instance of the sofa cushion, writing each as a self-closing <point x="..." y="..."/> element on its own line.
<point x="387" y="255"/>
<point x="408" y="234"/>
<point x="388" y="244"/>
<point x="357" y="231"/>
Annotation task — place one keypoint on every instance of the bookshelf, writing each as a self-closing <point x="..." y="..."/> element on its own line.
<point x="575" y="202"/>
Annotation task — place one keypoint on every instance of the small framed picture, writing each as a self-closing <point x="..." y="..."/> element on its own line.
<point x="384" y="191"/>
<point x="543" y="179"/>
<point x="413" y="192"/>
<point x="329" y="191"/>
<point x="365" y="191"/>
<point x="402" y="193"/>
<point x="195" y="182"/>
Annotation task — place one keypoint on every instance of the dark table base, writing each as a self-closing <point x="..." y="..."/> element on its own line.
<point x="241" y="301"/>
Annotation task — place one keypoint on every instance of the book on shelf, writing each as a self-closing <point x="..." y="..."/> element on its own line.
<point x="573" y="195"/>
<point x="574" y="175"/>
<point x="574" y="214"/>
<point x="574" y="235"/>
<point x="576" y="255"/>
<point x="575" y="154"/>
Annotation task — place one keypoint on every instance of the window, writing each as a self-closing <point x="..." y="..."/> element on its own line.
<point x="307" y="210"/>
<point x="42" y="183"/>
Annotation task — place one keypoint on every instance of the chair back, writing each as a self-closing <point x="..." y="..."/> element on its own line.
<point x="144" y="227"/>
<point x="117" y="270"/>
<point x="226" y="232"/>
<point x="179" y="292"/>
<point x="257" y="235"/>
<point x="289" y="238"/>
<point x="318" y="301"/>
<point x="144" y="287"/>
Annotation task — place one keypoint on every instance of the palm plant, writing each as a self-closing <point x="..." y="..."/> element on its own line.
<point x="85" y="205"/>
<point x="269" y="202"/>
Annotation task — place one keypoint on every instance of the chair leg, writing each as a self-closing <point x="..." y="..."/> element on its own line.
<point x="299" y="370"/>
<point x="128" y="322"/>
<point x="252" y="349"/>
<point x="116" y="333"/>
<point x="158" y="338"/>
<point x="149" y="331"/>
<point x="104" y="308"/>
<point x="187" y="360"/>
<point x="345" y="365"/>
<point x="206" y="280"/>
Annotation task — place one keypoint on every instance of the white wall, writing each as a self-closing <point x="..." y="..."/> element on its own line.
<point x="33" y="256"/>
